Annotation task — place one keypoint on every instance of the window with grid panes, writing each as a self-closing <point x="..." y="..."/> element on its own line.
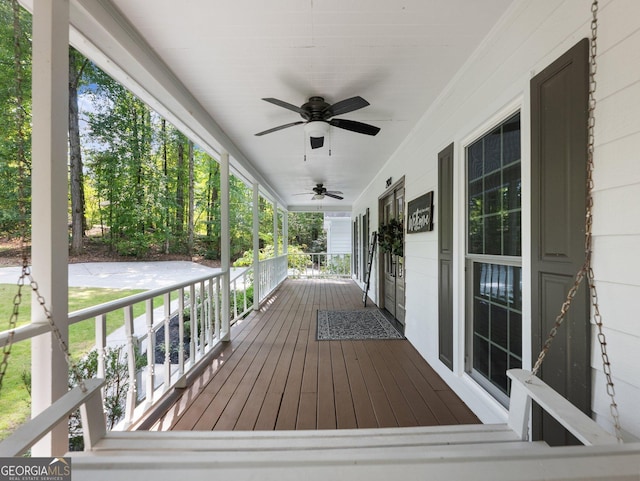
<point x="494" y="256"/>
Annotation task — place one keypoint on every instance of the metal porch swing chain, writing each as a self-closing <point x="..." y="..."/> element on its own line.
<point x="24" y="247"/>
<point x="587" y="270"/>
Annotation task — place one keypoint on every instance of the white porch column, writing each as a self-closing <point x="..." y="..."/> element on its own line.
<point x="285" y="232"/>
<point x="225" y="244"/>
<point x="49" y="231"/>
<point x="256" y="246"/>
<point x="276" y="250"/>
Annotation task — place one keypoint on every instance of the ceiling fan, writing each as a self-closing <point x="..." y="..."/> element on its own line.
<point x="316" y="114"/>
<point x="320" y="191"/>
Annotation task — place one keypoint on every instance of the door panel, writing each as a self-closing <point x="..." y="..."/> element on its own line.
<point x="392" y="207"/>
<point x="399" y="273"/>
<point x="559" y="99"/>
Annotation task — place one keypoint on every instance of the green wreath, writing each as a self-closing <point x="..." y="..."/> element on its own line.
<point x="391" y="237"/>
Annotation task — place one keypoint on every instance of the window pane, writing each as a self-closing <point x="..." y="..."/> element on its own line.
<point x="515" y="333"/>
<point x="476" y="219"/>
<point x="511" y="140"/>
<point x="511" y="188"/>
<point x="512" y="235"/>
<point x="492" y="151"/>
<point x="481" y="316"/>
<point x="474" y="156"/>
<point x="498" y="366"/>
<point x="493" y="235"/>
<point x="493" y="194"/>
<point x="481" y="355"/>
<point x="499" y="326"/>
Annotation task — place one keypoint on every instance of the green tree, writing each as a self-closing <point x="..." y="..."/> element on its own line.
<point x="15" y="117"/>
<point x="77" y="66"/>
<point x="127" y="179"/>
<point x="306" y="229"/>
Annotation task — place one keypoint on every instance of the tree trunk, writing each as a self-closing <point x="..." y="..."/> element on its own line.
<point x="167" y="227"/>
<point x="191" y="199"/>
<point x="76" y="68"/>
<point x="180" y="188"/>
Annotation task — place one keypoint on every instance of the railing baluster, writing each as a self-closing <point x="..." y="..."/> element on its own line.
<point x="216" y="303"/>
<point x="131" y="365"/>
<point x="193" y="324"/>
<point x="181" y="331"/>
<point x="101" y="343"/>
<point x="210" y="314"/>
<point x="235" y="300"/>
<point x="167" y="340"/>
<point x="203" y="319"/>
<point x="151" y="347"/>
<point x="245" y="287"/>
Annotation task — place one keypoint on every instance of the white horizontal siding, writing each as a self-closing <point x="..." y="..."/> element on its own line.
<point x="338" y="235"/>
<point x="495" y="79"/>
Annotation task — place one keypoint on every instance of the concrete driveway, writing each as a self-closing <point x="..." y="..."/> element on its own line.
<point x="124" y="275"/>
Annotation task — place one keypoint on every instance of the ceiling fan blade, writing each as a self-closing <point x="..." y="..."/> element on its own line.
<point x="287" y="105"/>
<point x="330" y="194"/>
<point x="275" y="129"/>
<point x="335" y="192"/>
<point x="345" y="106"/>
<point x="317" y="142"/>
<point x="354" y="126"/>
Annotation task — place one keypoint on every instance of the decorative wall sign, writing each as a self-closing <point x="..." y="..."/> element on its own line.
<point x="420" y="214"/>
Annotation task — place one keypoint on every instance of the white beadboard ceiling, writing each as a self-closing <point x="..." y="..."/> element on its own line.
<point x="397" y="54"/>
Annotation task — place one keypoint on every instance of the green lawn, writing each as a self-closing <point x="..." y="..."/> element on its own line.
<point x="14" y="398"/>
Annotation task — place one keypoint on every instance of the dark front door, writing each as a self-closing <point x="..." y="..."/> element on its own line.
<point x="393" y="284"/>
<point x="559" y="96"/>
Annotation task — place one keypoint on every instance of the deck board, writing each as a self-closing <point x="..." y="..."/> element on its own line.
<point x="274" y="374"/>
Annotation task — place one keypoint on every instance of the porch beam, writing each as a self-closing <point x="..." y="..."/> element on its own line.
<point x="225" y="245"/>
<point x="256" y="246"/>
<point x="49" y="234"/>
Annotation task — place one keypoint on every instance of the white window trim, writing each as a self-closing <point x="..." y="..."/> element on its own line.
<point x="518" y="104"/>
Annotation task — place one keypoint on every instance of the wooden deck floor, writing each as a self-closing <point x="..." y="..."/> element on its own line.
<point x="274" y="374"/>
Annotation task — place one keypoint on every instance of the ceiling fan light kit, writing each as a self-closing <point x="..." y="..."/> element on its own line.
<point x="316" y="128"/>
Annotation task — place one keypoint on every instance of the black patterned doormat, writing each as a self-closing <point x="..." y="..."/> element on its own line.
<point x="354" y="324"/>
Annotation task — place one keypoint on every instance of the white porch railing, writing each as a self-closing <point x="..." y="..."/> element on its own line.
<point x="320" y="265"/>
<point x="186" y="317"/>
<point x="273" y="272"/>
<point x="189" y="319"/>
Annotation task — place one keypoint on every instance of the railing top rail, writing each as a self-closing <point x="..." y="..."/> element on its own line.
<point x="242" y="271"/>
<point x="94" y="311"/>
<point x="23" y="333"/>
